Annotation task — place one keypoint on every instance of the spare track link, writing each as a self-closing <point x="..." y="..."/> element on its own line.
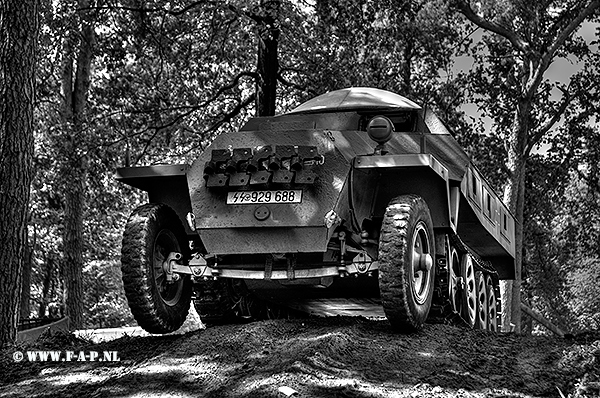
<point x="261" y="165"/>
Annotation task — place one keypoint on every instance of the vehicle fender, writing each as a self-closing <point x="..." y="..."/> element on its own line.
<point x="377" y="179"/>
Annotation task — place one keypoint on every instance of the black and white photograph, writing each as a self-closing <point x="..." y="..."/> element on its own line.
<point x="300" y="198"/>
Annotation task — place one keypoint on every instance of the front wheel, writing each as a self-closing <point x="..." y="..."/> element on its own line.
<point x="406" y="266"/>
<point x="152" y="233"/>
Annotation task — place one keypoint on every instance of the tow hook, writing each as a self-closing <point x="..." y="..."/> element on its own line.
<point x="169" y="264"/>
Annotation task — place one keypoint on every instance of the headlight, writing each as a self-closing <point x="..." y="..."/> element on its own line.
<point x="380" y="129"/>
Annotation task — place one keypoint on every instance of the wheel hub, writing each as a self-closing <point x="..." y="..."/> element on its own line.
<point x="422" y="264"/>
<point x="470" y="290"/>
<point x="166" y="249"/>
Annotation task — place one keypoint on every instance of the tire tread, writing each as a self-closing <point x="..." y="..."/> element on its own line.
<point x="393" y="283"/>
<point x="138" y="240"/>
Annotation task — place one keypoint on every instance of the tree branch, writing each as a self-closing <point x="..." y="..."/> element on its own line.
<point x="188" y="111"/>
<point x="176" y="12"/>
<point x="516" y="40"/>
<point x="236" y="79"/>
<point x="224" y="119"/>
<point x="564" y="34"/>
<point x="537" y="135"/>
<point x="293" y="85"/>
<point x="233" y="113"/>
<point x="192" y="109"/>
<point x="143" y="153"/>
<point x="542" y="321"/>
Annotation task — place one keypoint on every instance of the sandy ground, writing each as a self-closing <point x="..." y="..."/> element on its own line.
<point x="315" y="357"/>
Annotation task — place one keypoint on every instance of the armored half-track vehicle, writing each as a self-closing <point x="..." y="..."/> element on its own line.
<point x="356" y="193"/>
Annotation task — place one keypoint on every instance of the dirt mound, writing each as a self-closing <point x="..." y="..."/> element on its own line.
<point x="322" y="357"/>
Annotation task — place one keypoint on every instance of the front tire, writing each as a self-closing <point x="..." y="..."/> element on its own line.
<point x="152" y="232"/>
<point x="406" y="266"/>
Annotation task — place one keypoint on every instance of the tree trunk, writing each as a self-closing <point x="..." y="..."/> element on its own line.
<point x="19" y="27"/>
<point x="25" y="307"/>
<point x="268" y="61"/>
<point x="75" y="88"/>
<point x="515" y="197"/>
<point x="47" y="282"/>
<point x="407" y="67"/>
<point x="73" y="243"/>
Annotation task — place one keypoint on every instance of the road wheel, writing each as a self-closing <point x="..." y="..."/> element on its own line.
<point x="492" y="304"/>
<point x="153" y="231"/>
<point x="481" y="321"/>
<point x="406" y="266"/>
<point x="455" y="282"/>
<point x="469" y="296"/>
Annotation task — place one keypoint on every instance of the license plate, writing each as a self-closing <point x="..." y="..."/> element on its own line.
<point x="252" y="197"/>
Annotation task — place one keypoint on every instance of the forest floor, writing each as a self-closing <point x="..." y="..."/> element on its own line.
<point x="351" y="357"/>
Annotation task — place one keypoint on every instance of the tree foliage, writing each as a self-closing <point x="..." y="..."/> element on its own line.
<point x="511" y="86"/>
